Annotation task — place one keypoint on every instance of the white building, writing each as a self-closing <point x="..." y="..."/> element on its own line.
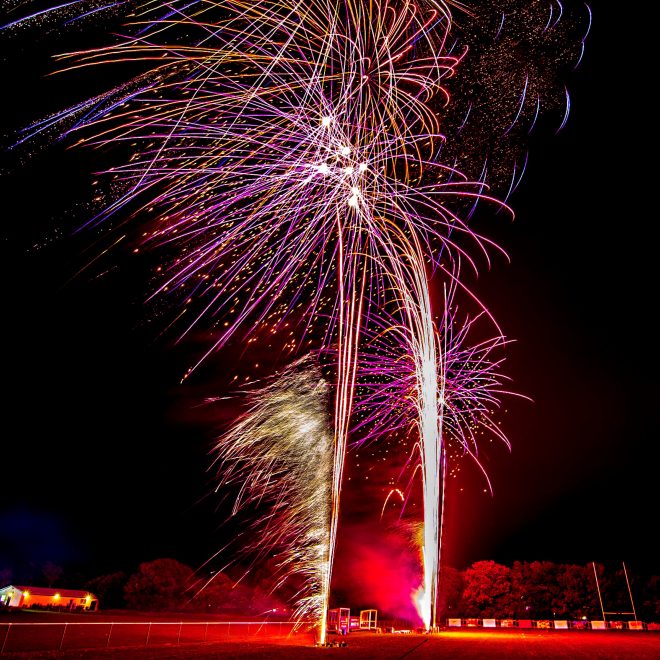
<point x="44" y="597"/>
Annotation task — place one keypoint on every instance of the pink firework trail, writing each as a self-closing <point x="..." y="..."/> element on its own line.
<point x="412" y="372"/>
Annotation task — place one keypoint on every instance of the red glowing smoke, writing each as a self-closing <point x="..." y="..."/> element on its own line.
<point x="377" y="568"/>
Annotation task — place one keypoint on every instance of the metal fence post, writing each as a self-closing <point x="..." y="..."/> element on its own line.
<point x="206" y="632"/>
<point x="146" y="641"/>
<point x="178" y="639"/>
<point x="63" y="633"/>
<point x="4" y="641"/>
<point x="110" y="634"/>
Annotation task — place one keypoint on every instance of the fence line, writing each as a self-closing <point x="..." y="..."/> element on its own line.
<point x="52" y="636"/>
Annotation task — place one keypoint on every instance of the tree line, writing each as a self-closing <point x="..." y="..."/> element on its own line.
<point x="545" y="590"/>
<point x="486" y="589"/>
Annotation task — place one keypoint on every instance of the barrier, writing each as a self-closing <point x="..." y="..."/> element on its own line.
<point x="43" y="637"/>
<point x="339" y="620"/>
<point x="368" y="619"/>
<point x="548" y="624"/>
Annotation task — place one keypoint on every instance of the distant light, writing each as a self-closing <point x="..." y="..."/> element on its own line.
<point x="363" y="167"/>
<point x="353" y="201"/>
<point x="349" y="170"/>
<point x="323" y="169"/>
<point x="56" y="596"/>
<point x="26" y="594"/>
<point x="345" y="151"/>
<point x="326" y="121"/>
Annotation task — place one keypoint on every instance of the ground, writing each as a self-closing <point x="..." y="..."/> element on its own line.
<point x="458" y="645"/>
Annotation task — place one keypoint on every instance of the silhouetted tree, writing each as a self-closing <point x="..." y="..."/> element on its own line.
<point x="517" y="606"/>
<point x="651" y="599"/>
<point x="267" y="578"/>
<point x="450" y="589"/>
<point x="224" y="595"/>
<point x="577" y="596"/>
<point x="216" y="596"/>
<point x="614" y="588"/>
<point x="52" y="573"/>
<point x="545" y="590"/>
<point x="537" y="589"/>
<point x="486" y="589"/>
<point x="109" y="589"/>
<point x="158" y="585"/>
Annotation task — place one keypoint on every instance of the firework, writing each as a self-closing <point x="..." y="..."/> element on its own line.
<point x="276" y="151"/>
<point x="280" y="456"/>
<point x="287" y="154"/>
<point x="288" y="160"/>
<point x="472" y="382"/>
<point x="512" y="82"/>
<point x="437" y="387"/>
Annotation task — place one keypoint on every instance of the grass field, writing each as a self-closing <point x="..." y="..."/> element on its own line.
<point x="482" y="645"/>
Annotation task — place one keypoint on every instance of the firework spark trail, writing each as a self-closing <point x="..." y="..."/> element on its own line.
<point x="423" y="348"/>
<point x="280" y="454"/>
<point x="429" y="418"/>
<point x="520" y="54"/>
<point x="411" y="372"/>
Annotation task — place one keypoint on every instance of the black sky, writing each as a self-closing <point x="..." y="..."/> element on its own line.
<point x="104" y="455"/>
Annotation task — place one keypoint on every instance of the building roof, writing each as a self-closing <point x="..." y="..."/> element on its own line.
<point x="47" y="591"/>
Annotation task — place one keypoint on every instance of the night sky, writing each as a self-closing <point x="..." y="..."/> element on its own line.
<point x="106" y="462"/>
